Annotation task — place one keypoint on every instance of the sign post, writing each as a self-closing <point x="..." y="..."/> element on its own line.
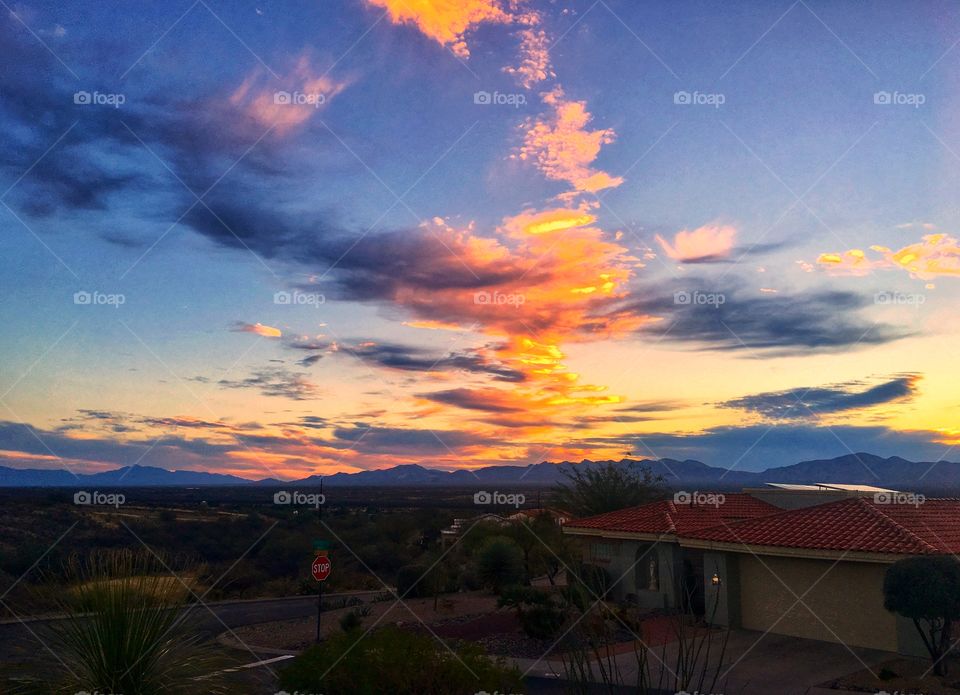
<point x="320" y="570"/>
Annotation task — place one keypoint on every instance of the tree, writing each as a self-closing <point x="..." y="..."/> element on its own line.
<point x="545" y="549"/>
<point x="592" y="490"/>
<point x="926" y="590"/>
<point x="500" y="563"/>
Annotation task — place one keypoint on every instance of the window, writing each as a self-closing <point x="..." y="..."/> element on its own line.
<point x="602" y="552"/>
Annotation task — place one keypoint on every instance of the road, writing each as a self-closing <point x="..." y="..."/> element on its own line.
<point x="21" y="638"/>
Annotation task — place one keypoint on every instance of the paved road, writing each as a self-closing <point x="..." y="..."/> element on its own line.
<point x="25" y="638"/>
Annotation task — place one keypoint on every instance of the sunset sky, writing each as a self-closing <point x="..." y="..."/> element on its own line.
<point x="281" y="239"/>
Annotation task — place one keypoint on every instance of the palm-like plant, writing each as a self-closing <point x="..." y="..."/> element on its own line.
<point x="126" y="630"/>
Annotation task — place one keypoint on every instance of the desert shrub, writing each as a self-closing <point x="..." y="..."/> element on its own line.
<point x="350" y="621"/>
<point x="542" y="614"/>
<point x="500" y="563"/>
<point x="411" y="582"/>
<point x="126" y="630"/>
<point x="593" y="580"/>
<point x="470" y="579"/>
<point x="393" y="661"/>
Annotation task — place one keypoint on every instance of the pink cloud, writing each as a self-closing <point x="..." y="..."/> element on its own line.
<point x="563" y="148"/>
<point x="289" y="103"/>
<point x="705" y="243"/>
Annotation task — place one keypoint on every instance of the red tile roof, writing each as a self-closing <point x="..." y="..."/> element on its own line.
<point x="856" y="524"/>
<point x="670" y="517"/>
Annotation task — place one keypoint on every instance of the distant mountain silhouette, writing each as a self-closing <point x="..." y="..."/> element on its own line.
<point x="129" y="476"/>
<point x="859" y="468"/>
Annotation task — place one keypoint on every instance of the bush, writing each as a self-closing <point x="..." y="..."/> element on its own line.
<point x="393" y="661"/>
<point x="411" y="582"/>
<point x="593" y="580"/>
<point x="124" y="631"/>
<point x="541" y="613"/>
<point x="470" y="580"/>
<point x="350" y="621"/>
<point x="500" y="563"/>
<point x="927" y="590"/>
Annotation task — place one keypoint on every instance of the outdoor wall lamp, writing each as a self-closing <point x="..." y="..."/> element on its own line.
<point x="715" y="579"/>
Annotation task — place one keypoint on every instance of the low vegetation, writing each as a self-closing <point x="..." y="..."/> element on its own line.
<point x="391" y="660"/>
<point x="126" y="631"/>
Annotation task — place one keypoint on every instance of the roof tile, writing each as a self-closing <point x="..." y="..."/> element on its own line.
<point x="671" y="517"/>
<point x="855" y="524"/>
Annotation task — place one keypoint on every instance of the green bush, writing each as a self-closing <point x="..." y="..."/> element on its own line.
<point x="394" y="661"/>
<point x="593" y="580"/>
<point x="350" y="621"/>
<point x="125" y="631"/>
<point x="542" y="614"/>
<point x="500" y="563"/>
<point x="411" y="582"/>
<point x="470" y="579"/>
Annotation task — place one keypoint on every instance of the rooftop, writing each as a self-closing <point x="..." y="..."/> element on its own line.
<point x="672" y="517"/>
<point x="856" y="525"/>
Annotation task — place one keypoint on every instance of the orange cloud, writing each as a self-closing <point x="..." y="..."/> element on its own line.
<point x="935" y="255"/>
<point x="556" y="220"/>
<point x="445" y="21"/>
<point x="434" y="325"/>
<point x="548" y="278"/>
<point x="534" y="58"/>
<point x="259" y="329"/>
<point x="562" y="147"/>
<point x="704" y="243"/>
<point x="288" y="103"/>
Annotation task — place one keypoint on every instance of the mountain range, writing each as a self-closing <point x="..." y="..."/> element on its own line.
<point x="861" y="468"/>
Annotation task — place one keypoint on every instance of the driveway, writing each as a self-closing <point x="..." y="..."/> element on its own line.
<point x="755" y="664"/>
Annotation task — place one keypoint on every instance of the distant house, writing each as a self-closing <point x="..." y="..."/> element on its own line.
<point x="462" y="525"/>
<point x="806" y="561"/>
<point x="559" y="516"/>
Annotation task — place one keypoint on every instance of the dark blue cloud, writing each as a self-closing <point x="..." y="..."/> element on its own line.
<point x="799" y="403"/>
<point x="729" y="317"/>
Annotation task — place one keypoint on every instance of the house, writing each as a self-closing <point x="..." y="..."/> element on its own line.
<point x="813" y="571"/>
<point x="640" y="547"/>
<point x="452" y="533"/>
<point x="558" y="516"/>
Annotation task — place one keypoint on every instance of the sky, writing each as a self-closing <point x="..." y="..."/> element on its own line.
<point x="283" y="239"/>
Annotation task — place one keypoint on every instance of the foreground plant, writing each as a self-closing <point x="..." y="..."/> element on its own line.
<point x="126" y="630"/>
<point x="391" y="660"/>
<point x="927" y="590"/>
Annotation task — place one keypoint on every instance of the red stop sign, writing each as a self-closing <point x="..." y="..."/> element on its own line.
<point x="321" y="568"/>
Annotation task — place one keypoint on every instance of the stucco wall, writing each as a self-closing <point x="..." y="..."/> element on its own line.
<point x="622" y="569"/>
<point x="848" y="599"/>
<point x="722" y="602"/>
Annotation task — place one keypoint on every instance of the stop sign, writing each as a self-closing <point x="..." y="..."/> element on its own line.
<point x="321" y="568"/>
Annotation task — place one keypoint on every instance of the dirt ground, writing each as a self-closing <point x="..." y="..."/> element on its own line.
<point x="295" y="635"/>
<point x="903" y="675"/>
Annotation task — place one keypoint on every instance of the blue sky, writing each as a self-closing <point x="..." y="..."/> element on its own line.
<point x="822" y="217"/>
